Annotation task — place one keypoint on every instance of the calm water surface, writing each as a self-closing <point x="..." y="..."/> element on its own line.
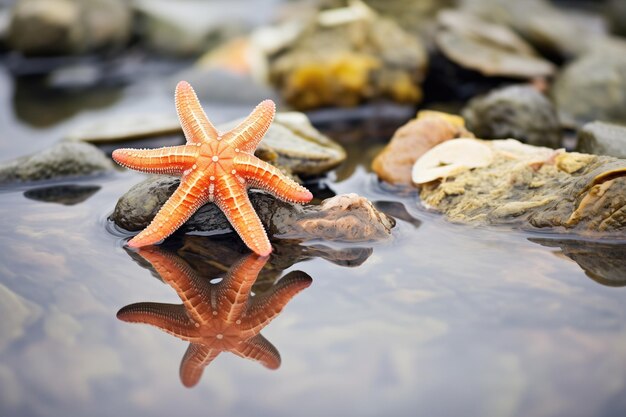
<point x="443" y="320"/>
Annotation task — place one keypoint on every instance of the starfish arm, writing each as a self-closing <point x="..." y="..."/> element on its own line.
<point x="170" y="318"/>
<point x="247" y="135"/>
<point x="232" y="198"/>
<point x="194" y="291"/>
<point x="196" y="125"/>
<point x="260" y="174"/>
<point x="259" y="349"/>
<point x="190" y="195"/>
<point x="196" y="358"/>
<point x="266" y="307"/>
<point x="168" y="160"/>
<point x="235" y="288"/>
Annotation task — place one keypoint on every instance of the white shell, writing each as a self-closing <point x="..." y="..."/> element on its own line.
<point x="450" y="158"/>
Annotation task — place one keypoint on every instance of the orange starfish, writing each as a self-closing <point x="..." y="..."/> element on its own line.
<point x="216" y="317"/>
<point x="215" y="167"/>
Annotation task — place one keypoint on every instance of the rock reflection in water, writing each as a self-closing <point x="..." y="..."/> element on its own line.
<point x="219" y="316"/>
<point x="603" y="262"/>
<point x="66" y="194"/>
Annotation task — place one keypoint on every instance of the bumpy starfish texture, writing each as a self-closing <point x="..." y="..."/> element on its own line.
<point x="215" y="167"/>
<point x="216" y="317"/>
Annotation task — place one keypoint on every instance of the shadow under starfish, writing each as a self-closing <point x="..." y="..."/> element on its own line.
<point x="215" y="317"/>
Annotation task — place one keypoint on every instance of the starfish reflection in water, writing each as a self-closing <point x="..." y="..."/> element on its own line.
<point x="215" y="317"/>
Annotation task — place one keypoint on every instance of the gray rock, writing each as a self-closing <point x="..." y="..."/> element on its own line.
<point x="592" y="88"/>
<point x="520" y="112"/>
<point x="62" y="160"/>
<point x="491" y="49"/>
<point x="291" y="142"/>
<point x="601" y="138"/>
<point x="554" y="31"/>
<point x="347" y="218"/>
<point x="61" y="27"/>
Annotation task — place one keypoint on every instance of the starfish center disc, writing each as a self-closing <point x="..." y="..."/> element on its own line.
<point x="215" y="158"/>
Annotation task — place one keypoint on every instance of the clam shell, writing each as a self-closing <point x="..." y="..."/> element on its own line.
<point x="449" y="158"/>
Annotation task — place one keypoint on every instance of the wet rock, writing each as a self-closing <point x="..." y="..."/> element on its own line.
<point x="603" y="262"/>
<point x="591" y="88"/>
<point x="490" y="49"/>
<point x="520" y="112"/>
<point x="63" y="27"/>
<point x="532" y="187"/>
<point x="412" y="140"/>
<point x="123" y="127"/>
<point x="60" y="161"/>
<point x="347" y="218"/>
<point x="555" y="32"/>
<point x="68" y="195"/>
<point x="347" y="56"/>
<point x="601" y="138"/>
<point x="291" y="142"/>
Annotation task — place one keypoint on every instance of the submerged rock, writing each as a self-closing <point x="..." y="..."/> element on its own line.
<point x="534" y="187"/>
<point x="344" y="218"/>
<point x="67" y="194"/>
<point x="601" y="138"/>
<point x="63" y="160"/>
<point x="490" y="49"/>
<point x="591" y="88"/>
<point x="412" y="140"/>
<point x="520" y="112"/>
<point x="347" y="56"/>
<point x="62" y="27"/>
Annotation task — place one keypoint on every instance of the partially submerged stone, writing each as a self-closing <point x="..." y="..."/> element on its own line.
<point x="345" y="61"/>
<point x="63" y="160"/>
<point x="591" y="88"/>
<point x="519" y="112"/>
<point x="535" y="187"/>
<point x="62" y="27"/>
<point x="601" y="138"/>
<point x="127" y="126"/>
<point x="291" y="142"/>
<point x="344" y="218"/>
<point x="492" y="50"/>
<point x="429" y="128"/>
